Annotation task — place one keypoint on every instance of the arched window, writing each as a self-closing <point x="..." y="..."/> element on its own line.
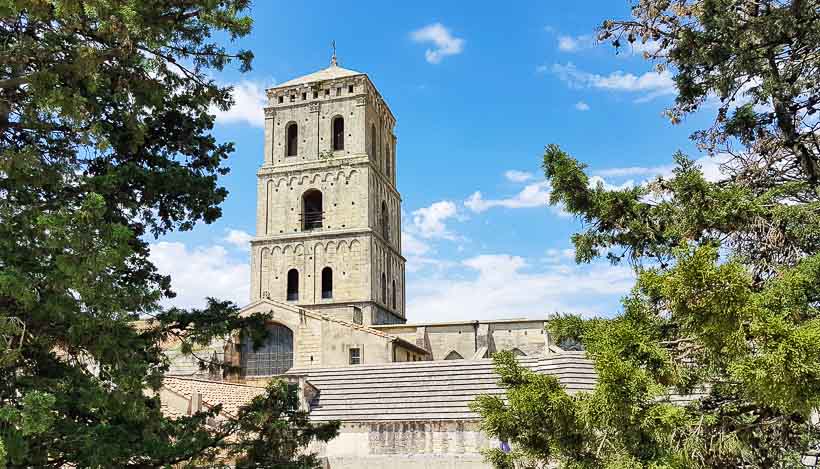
<point x="384" y="288"/>
<point x="373" y="143"/>
<point x="312" y="214"/>
<point x="293" y="285"/>
<point x="327" y="282"/>
<point x="292" y="139"/>
<point x="338" y="133"/>
<point x="385" y="222"/>
<point x="394" y="294"/>
<point x="273" y="357"/>
<point x="453" y="355"/>
<point x="518" y="353"/>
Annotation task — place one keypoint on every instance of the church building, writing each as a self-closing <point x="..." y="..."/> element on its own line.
<point x="328" y="271"/>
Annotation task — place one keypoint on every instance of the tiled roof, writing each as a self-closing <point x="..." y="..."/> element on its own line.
<point x="171" y="412"/>
<point x="230" y="395"/>
<point x="429" y="390"/>
<point x="331" y="73"/>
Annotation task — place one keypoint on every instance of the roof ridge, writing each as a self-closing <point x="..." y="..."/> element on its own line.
<point x="329" y="73"/>
<point x="318" y="315"/>
<point x="210" y="381"/>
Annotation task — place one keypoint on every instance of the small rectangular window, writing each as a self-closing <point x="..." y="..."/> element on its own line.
<point x="350" y="89"/>
<point x="292" y="98"/>
<point x="408" y="356"/>
<point x="339" y="91"/>
<point x="315" y="95"/>
<point x="327" y="92"/>
<point x="304" y="96"/>
<point x="281" y="99"/>
<point x="355" y="356"/>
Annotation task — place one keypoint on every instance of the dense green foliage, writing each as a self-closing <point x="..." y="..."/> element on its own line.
<point x="714" y="361"/>
<point x="275" y="417"/>
<point x="105" y="140"/>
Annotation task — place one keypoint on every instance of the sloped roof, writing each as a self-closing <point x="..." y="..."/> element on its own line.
<point x="428" y="390"/>
<point x="331" y="73"/>
<point x="171" y="412"/>
<point x="232" y="396"/>
<point x="326" y="317"/>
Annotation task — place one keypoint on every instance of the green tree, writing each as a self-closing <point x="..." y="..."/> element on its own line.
<point x="264" y="417"/>
<point x="105" y="141"/>
<point x="714" y="360"/>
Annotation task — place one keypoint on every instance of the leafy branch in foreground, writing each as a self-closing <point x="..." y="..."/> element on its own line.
<point x="106" y="140"/>
<point x="707" y="366"/>
<point x="715" y="359"/>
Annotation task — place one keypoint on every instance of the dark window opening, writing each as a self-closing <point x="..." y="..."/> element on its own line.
<point x="292" y="98"/>
<point x="304" y="96"/>
<point x="355" y="356"/>
<point x="327" y="282"/>
<point x="350" y="89"/>
<point x="338" y="133"/>
<point x="312" y="214"/>
<point x="394" y="294"/>
<point x="385" y="222"/>
<point x="315" y="94"/>
<point x="453" y="355"/>
<point x="281" y="99"/>
<point x="327" y="92"/>
<point x="292" y="139"/>
<point x="273" y="357"/>
<point x="293" y="285"/>
<point x="384" y="289"/>
<point x="339" y="91"/>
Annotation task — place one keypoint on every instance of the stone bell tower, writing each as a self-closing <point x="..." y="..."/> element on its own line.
<point x="328" y="217"/>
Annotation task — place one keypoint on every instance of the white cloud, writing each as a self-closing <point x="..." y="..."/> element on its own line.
<point x="582" y="106"/>
<point x="711" y="166"/>
<point x="576" y="43"/>
<point x="557" y="256"/>
<point x="249" y="103"/>
<point x="429" y="222"/>
<point x="532" y="195"/>
<point x="634" y="171"/>
<point x="595" y="180"/>
<point x="443" y="40"/>
<point x="239" y="238"/>
<point x="514" y="175"/>
<point x="650" y="47"/>
<point x="653" y="84"/>
<point x="411" y="245"/>
<point x="200" y="272"/>
<point x="504" y="286"/>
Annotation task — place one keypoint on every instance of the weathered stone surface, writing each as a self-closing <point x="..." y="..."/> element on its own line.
<point x="360" y="236"/>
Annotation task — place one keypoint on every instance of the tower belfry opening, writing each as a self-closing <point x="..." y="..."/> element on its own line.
<point x="328" y="209"/>
<point x="312" y="212"/>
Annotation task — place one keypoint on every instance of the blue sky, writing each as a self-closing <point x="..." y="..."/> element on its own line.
<point x="478" y="92"/>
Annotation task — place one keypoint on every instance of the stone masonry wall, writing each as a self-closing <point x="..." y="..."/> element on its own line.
<point x="407" y="444"/>
<point x="356" y="240"/>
